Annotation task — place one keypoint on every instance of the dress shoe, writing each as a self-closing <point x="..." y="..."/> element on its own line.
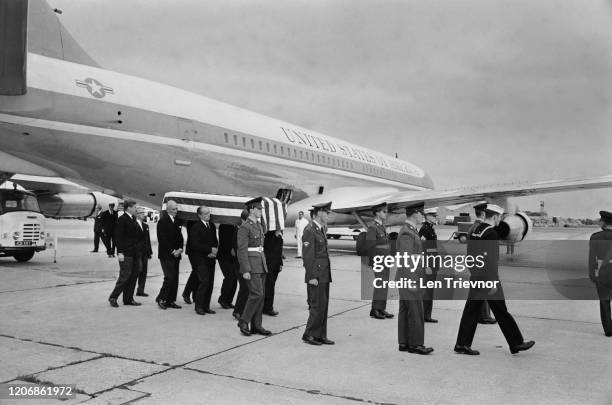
<point x="113" y="302"/>
<point x="162" y="304"/>
<point x="133" y="303"/>
<point x="522" y="347"/>
<point x="110" y="255"/>
<point x="298" y="257"/>
<point x="376" y="313"/>
<point x="236" y="316"/>
<point x="244" y="328"/>
<point x="311" y="340"/>
<point x="415" y="349"/>
<point x="225" y="305"/>
<point x="487" y="321"/>
<point x="326" y="341"/>
<point x="93" y="251"/>
<point x="186" y="299"/>
<point x="200" y="311"/>
<point x="260" y="331"/>
<point x="609" y="334"/>
<point x="142" y="294"/>
<point x="173" y="305"/>
<point x="431" y="320"/>
<point x="271" y="312"/>
<point x="466" y="350"/>
<point x="387" y="315"/>
<point x="209" y="311"/>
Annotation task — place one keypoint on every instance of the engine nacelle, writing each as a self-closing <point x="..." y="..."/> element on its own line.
<point x="514" y="228"/>
<point x="69" y="205"/>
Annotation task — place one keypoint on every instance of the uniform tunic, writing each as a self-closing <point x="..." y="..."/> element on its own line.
<point x="252" y="260"/>
<point x="316" y="263"/>
<point x="430" y="244"/>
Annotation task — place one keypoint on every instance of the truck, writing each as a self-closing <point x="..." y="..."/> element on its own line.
<point x="22" y="225"/>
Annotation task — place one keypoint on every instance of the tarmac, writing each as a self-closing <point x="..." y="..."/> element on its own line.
<point x="57" y="327"/>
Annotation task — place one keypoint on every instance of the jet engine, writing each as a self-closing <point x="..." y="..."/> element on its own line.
<point x="514" y="228"/>
<point x="73" y="205"/>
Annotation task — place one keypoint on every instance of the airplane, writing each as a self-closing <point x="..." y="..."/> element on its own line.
<point x="63" y="115"/>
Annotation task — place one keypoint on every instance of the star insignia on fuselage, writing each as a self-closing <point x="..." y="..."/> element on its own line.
<point x="95" y="88"/>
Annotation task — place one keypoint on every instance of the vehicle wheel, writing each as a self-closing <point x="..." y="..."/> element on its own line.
<point x="355" y="237"/>
<point x="328" y="236"/>
<point x="23" y="256"/>
<point x="337" y="236"/>
<point x="462" y="238"/>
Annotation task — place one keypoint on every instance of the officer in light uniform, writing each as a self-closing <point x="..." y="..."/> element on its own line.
<point x="318" y="276"/>
<point x="600" y="259"/>
<point x="300" y="224"/>
<point x="410" y="318"/>
<point x="377" y="244"/>
<point x="253" y="268"/>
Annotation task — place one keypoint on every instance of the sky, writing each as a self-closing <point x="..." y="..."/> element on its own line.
<point x="474" y="92"/>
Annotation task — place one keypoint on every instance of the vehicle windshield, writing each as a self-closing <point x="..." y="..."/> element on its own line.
<point x="15" y="200"/>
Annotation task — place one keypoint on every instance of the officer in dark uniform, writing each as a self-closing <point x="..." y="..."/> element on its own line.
<point x="600" y="258"/>
<point x="430" y="244"/>
<point x="410" y="318"/>
<point x="146" y="254"/>
<point x="273" y="249"/>
<point x="487" y="245"/>
<point x="243" y="290"/>
<point x="485" y="312"/>
<point x="253" y="268"/>
<point x="318" y="275"/>
<point x="377" y="244"/>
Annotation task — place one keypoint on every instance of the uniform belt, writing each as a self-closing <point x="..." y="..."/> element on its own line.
<point x="600" y="262"/>
<point x="256" y="249"/>
<point x="432" y="250"/>
<point x="383" y="246"/>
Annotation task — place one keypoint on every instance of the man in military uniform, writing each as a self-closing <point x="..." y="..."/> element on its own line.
<point x="146" y="254"/>
<point x="109" y="219"/>
<point x="485" y="312"/>
<point x="410" y="318"/>
<point x="430" y="244"/>
<point x="377" y="244"/>
<point x="97" y="229"/>
<point x="253" y="268"/>
<point x="318" y="275"/>
<point x="486" y="243"/>
<point x="600" y="257"/>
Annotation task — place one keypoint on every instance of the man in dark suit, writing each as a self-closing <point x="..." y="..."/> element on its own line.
<point x="129" y="237"/>
<point x="97" y="229"/>
<point x="228" y="262"/>
<point x="485" y="242"/>
<point x="318" y="276"/>
<point x="377" y="244"/>
<point x="600" y="259"/>
<point x="109" y="219"/>
<point x="169" y="250"/>
<point x="204" y="246"/>
<point x="273" y="249"/>
<point x="430" y="244"/>
<point x="191" y="286"/>
<point x="147" y="253"/>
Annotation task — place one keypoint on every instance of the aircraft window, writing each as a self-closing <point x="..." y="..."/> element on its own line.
<point x="226" y="137"/>
<point x="301" y="155"/>
<point x="235" y="140"/>
<point x="252" y="144"/>
<point x="328" y="160"/>
<point x="267" y="147"/>
<point x="243" y="142"/>
<point x="318" y="159"/>
<point x="294" y="153"/>
<point x="282" y="150"/>
<point x="275" y="149"/>
<point x="260" y="146"/>
<point x="306" y="155"/>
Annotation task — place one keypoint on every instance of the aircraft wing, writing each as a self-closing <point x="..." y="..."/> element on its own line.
<point x="434" y="198"/>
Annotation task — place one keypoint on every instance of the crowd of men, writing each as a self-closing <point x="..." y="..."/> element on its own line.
<point x="251" y="258"/>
